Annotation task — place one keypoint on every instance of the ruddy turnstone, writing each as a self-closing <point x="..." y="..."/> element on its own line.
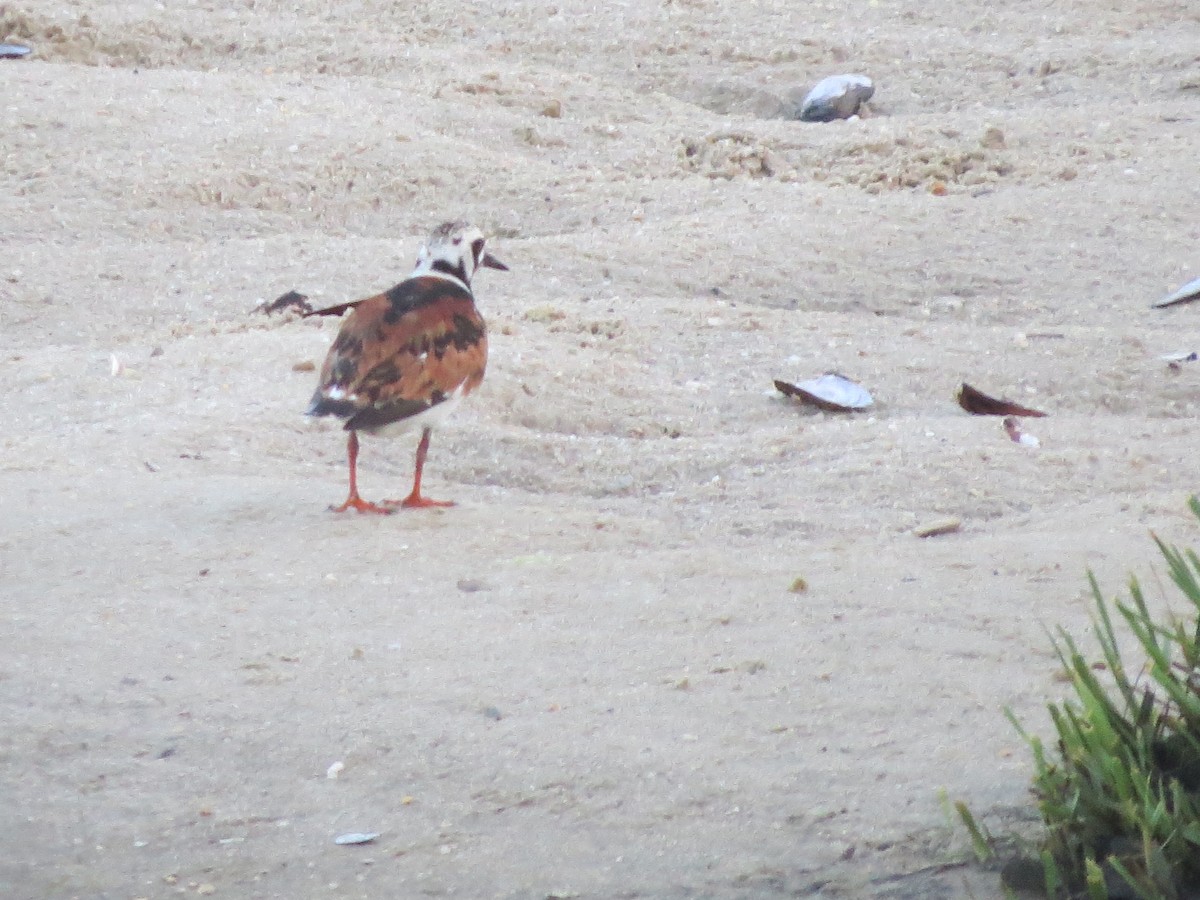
<point x="405" y="358"/>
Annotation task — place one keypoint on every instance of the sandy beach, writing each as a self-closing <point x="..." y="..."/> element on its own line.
<point x="678" y="638"/>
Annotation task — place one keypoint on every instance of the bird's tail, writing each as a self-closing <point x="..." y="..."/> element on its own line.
<point x="324" y="405"/>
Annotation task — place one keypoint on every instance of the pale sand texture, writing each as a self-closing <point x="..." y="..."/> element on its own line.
<point x="190" y="639"/>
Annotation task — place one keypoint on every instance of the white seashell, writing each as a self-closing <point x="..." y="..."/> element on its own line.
<point x="1180" y="356"/>
<point x="356" y="837"/>
<point x="334" y="770"/>
<point x="831" y="391"/>
<point x="1190" y="291"/>
<point x="836" y="97"/>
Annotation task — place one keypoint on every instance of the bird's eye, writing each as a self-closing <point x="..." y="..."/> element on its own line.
<point x="477" y="249"/>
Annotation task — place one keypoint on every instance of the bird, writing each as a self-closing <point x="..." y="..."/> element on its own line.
<point x="405" y="358"/>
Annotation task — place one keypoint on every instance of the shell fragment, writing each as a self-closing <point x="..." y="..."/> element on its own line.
<point x="832" y="392"/>
<point x="836" y="97"/>
<point x="1187" y="293"/>
<point x="356" y="837"/>
<point x="1180" y="356"/>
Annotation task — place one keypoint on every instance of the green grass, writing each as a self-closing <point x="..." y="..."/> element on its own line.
<point x="1119" y="789"/>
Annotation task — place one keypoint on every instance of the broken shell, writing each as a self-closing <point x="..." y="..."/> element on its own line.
<point x="1013" y="427"/>
<point x="356" y="837"/>
<point x="1187" y="293"/>
<point x="977" y="403"/>
<point x="14" y="51"/>
<point x="836" y="97"/>
<point x="831" y="391"/>
<point x="1180" y="356"/>
<point x="938" y="527"/>
<point x="291" y="300"/>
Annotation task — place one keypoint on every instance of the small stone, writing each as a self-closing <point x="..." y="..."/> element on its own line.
<point x="1023" y="874"/>
<point x="206" y="889"/>
<point x="553" y="109"/>
<point x="993" y="139"/>
<point x="334" y="770"/>
<point x="491" y="712"/>
<point x="305" y="365"/>
<point x="799" y="586"/>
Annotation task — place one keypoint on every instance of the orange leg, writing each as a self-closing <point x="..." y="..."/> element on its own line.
<point x="415" y="500"/>
<point x="354" y="501"/>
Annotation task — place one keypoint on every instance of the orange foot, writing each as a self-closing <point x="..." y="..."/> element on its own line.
<point x="362" y="506"/>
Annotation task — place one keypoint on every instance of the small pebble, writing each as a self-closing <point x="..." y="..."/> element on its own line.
<point x="334" y="770"/>
<point x="993" y="139"/>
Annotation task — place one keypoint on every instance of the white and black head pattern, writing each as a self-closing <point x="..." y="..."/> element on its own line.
<point x="455" y="251"/>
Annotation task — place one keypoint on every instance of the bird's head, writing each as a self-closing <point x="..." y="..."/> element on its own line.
<point x="455" y="250"/>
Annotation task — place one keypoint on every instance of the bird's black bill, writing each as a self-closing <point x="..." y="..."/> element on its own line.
<point x="492" y="263"/>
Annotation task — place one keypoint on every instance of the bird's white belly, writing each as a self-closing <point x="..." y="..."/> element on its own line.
<point x="430" y="418"/>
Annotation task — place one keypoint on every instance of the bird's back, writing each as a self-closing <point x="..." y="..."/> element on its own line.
<point x="401" y="353"/>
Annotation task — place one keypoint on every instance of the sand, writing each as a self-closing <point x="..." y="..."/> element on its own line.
<point x="596" y="676"/>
